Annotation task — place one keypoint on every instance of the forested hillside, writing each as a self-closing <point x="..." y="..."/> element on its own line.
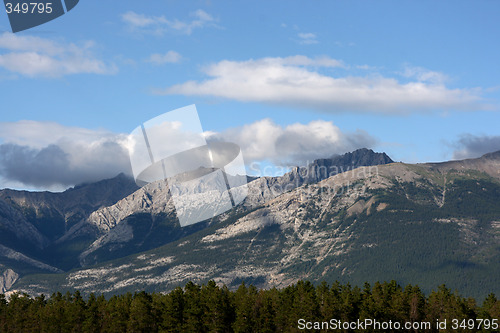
<point x="210" y="308"/>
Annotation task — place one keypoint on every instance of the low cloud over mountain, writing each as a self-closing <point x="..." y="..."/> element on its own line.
<point x="469" y="146"/>
<point x="294" y="144"/>
<point x="47" y="155"/>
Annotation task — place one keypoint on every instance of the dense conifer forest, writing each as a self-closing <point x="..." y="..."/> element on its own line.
<point x="211" y="308"/>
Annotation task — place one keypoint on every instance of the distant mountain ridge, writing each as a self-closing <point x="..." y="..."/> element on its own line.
<point x="287" y="228"/>
<point x="487" y="163"/>
<point x="65" y="229"/>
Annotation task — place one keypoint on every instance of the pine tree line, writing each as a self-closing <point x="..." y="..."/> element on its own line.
<point x="210" y="308"/>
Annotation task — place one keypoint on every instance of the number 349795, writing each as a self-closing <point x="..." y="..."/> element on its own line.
<point x="29" y="7"/>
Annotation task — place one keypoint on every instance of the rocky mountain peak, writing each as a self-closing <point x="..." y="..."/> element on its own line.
<point x="362" y="157"/>
<point x="325" y="168"/>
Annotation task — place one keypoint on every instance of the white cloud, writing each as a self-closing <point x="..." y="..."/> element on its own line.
<point x="300" y="60"/>
<point x="307" y="38"/>
<point x="159" y="24"/>
<point x="39" y="134"/>
<point x="292" y="82"/>
<point x="366" y="67"/>
<point x="424" y="75"/>
<point x="161" y="59"/>
<point x="140" y="20"/>
<point x="18" y="43"/>
<point x="203" y="16"/>
<point x="294" y="144"/>
<point x="47" y="155"/>
<point x="40" y="57"/>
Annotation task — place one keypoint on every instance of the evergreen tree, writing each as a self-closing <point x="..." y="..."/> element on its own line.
<point x="266" y="313"/>
<point x="18" y="307"/>
<point x="141" y="318"/>
<point x="116" y="313"/>
<point x="416" y="302"/>
<point x="244" y="303"/>
<point x="172" y="316"/>
<point x="218" y="310"/>
<point x="3" y="313"/>
<point x="91" y="323"/>
<point x="193" y="309"/>
<point x="491" y="307"/>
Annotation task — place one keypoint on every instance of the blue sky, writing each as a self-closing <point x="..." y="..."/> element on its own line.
<point x="287" y="80"/>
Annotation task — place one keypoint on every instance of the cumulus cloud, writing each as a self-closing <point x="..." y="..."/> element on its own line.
<point x="40" y="57"/>
<point x="48" y="155"/>
<point x="300" y="60"/>
<point x="424" y="75"/>
<point x="301" y="83"/>
<point x="161" y="59"/>
<point x="294" y="144"/>
<point x="140" y="20"/>
<point x="470" y="146"/>
<point x="307" y="38"/>
<point x="159" y="24"/>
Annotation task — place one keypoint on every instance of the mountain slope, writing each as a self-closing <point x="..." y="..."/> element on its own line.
<point x="112" y="218"/>
<point x="423" y="224"/>
<point x="146" y="219"/>
<point x="33" y="223"/>
<point x="53" y="214"/>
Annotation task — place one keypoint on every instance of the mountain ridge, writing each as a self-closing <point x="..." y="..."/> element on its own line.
<point x="322" y="221"/>
<point x="72" y="224"/>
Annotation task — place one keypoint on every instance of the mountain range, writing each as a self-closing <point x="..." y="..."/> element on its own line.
<point x="353" y="218"/>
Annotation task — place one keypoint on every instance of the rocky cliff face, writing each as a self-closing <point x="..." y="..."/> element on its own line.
<point x="7" y="278"/>
<point x="53" y="214"/>
<point x="154" y="199"/>
<point x="36" y="225"/>
<point x="15" y="225"/>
